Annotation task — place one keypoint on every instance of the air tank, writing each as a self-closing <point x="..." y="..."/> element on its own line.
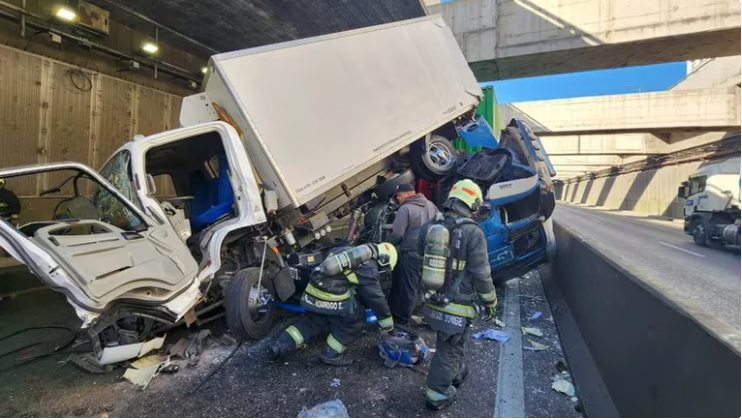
<point x="347" y="260"/>
<point x="434" y="259"/>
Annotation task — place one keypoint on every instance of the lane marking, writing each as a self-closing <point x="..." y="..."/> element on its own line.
<point x="681" y="249"/>
<point x="509" y="400"/>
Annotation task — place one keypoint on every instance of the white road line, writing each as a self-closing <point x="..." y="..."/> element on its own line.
<point x="681" y="249"/>
<point x="509" y="400"/>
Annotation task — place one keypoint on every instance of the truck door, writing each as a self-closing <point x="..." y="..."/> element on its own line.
<point x="101" y="247"/>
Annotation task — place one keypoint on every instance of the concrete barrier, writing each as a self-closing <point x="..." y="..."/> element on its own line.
<point x="635" y="349"/>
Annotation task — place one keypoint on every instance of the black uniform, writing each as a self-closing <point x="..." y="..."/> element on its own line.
<point x="10" y="205"/>
<point x="470" y="280"/>
<point x="340" y="303"/>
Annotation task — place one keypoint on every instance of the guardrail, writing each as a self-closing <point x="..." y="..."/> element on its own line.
<point x="635" y="349"/>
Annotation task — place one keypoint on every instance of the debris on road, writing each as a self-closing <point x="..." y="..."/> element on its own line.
<point x="334" y="409"/>
<point x="536" y="316"/>
<point x="143" y="370"/>
<point x="563" y="386"/>
<point x="335" y="383"/>
<point x="495" y="335"/>
<point x="499" y="323"/>
<point x="536" y="346"/>
<point x="532" y="331"/>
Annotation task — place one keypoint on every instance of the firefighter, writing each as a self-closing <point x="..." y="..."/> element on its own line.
<point x="338" y="302"/>
<point x="451" y="308"/>
<point x="10" y="206"/>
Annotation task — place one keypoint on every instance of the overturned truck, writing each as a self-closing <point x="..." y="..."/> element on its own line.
<point x="290" y="149"/>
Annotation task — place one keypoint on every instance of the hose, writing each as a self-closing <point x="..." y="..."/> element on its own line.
<point x="213" y="371"/>
<point x="56" y="349"/>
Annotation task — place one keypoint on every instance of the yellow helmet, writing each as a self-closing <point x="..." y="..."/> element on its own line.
<point x="387" y="254"/>
<point x="468" y="192"/>
<point x="2" y="182"/>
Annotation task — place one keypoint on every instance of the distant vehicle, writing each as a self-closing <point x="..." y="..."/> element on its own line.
<point x="712" y="205"/>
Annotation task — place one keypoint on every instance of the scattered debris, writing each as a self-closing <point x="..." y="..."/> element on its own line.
<point x="561" y="367"/>
<point x="538" y="299"/>
<point x="179" y="348"/>
<point x="532" y="331"/>
<point x="499" y="323"/>
<point x="563" y="386"/>
<point x="87" y="361"/>
<point x="536" y="316"/>
<point x="118" y="354"/>
<point x="335" y="383"/>
<point x="331" y="409"/>
<point x="143" y="370"/>
<point x="495" y="335"/>
<point x="574" y="399"/>
<point x="536" y="346"/>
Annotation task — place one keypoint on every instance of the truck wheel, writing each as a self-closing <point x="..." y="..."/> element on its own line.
<point x="698" y="231"/>
<point x="436" y="161"/>
<point x="249" y="311"/>
<point x="386" y="190"/>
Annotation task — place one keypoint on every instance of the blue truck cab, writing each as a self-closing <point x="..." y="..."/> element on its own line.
<point x="516" y="179"/>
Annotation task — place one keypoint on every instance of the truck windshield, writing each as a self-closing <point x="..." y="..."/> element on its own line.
<point x="697" y="185"/>
<point x="118" y="172"/>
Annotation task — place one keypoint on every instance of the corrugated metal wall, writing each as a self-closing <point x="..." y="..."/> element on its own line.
<point x="651" y="192"/>
<point x="51" y="111"/>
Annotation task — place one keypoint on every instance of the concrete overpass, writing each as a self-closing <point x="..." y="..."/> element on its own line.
<point x="505" y="39"/>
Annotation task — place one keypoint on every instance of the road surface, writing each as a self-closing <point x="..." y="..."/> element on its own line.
<point x="661" y="252"/>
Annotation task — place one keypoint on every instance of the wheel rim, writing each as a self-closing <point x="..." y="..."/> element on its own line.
<point x="699" y="233"/>
<point x="440" y="155"/>
<point x="259" y="303"/>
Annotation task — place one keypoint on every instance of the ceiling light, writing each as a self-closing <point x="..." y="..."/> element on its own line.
<point x="66" y="14"/>
<point x="150" y="48"/>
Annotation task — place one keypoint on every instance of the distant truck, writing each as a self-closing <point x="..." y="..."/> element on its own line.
<point x="712" y="203"/>
<point x="285" y="142"/>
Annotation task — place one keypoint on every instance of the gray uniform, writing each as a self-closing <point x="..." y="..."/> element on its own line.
<point x="415" y="212"/>
<point x="471" y="271"/>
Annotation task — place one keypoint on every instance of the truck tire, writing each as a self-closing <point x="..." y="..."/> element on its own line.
<point x="386" y="190"/>
<point x="698" y="231"/>
<point x="436" y="162"/>
<point x="241" y="305"/>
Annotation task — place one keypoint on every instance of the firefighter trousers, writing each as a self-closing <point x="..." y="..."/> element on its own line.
<point x="343" y="329"/>
<point x="446" y="367"/>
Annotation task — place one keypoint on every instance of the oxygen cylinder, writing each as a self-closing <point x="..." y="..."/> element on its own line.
<point x="347" y="260"/>
<point x="434" y="259"/>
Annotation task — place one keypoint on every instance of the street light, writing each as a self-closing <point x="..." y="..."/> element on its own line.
<point x="66" y="14"/>
<point x="150" y="48"/>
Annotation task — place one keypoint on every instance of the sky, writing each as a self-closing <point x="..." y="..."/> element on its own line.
<point x="590" y="83"/>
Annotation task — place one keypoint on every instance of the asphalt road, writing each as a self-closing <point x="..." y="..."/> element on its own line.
<point x="662" y="253"/>
<point x="251" y="385"/>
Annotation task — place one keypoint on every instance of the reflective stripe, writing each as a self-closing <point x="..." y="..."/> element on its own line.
<point x="326" y="296"/>
<point x="351" y="276"/>
<point x="433" y="395"/>
<point x="296" y="335"/>
<point x="386" y="323"/>
<point x="458" y="264"/>
<point x="489" y="296"/>
<point x="334" y="344"/>
<point x="456" y="309"/>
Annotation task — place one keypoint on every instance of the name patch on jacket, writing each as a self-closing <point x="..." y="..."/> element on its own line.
<point x="313" y="304"/>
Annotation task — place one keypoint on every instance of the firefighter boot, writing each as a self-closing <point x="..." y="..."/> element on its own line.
<point x="438" y="403"/>
<point x="331" y="357"/>
<point x="283" y="345"/>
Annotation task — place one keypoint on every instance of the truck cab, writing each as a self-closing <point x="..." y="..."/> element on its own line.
<point x="711" y="207"/>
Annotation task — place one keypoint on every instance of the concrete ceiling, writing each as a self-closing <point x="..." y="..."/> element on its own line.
<point x="228" y="25"/>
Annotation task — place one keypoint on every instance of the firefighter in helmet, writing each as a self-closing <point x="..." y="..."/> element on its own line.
<point x="339" y="291"/>
<point x="463" y="272"/>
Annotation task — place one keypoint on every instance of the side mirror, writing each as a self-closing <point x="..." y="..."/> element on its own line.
<point x="151" y="186"/>
<point x="683" y="191"/>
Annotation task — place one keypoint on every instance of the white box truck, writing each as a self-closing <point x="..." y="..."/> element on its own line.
<point x="283" y="140"/>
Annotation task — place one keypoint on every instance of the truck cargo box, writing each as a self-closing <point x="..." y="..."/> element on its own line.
<point x="317" y="111"/>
